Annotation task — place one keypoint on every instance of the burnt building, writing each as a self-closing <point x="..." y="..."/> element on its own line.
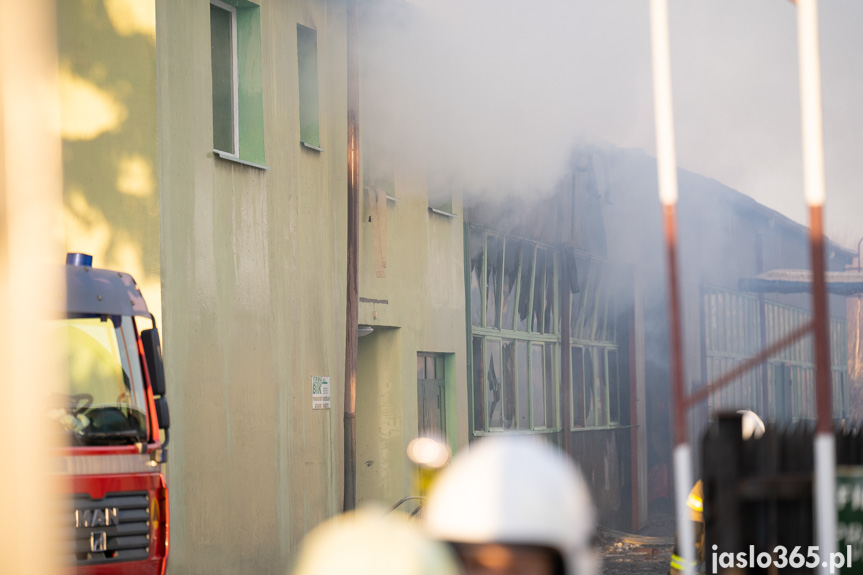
<point x="567" y="324"/>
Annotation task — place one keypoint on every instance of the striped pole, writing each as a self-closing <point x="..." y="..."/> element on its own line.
<point x="814" y="188"/>
<point x="667" y="174"/>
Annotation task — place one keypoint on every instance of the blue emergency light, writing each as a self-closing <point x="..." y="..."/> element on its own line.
<point x="78" y="259"/>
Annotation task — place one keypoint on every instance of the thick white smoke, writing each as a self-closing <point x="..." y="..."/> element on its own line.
<point x="495" y="93"/>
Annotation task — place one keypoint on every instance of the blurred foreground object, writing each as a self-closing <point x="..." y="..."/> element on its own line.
<point x="514" y="504"/>
<point x="30" y="203"/>
<point x="751" y="427"/>
<point x="369" y="542"/>
<point x="759" y="494"/>
<point x="430" y="455"/>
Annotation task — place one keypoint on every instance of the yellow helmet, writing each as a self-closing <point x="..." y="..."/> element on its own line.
<point x="515" y="490"/>
<point x="370" y="542"/>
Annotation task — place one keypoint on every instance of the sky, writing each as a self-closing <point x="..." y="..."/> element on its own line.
<point x="497" y="92"/>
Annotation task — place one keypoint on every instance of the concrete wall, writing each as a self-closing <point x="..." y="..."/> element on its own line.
<point x="423" y="291"/>
<point x="254" y="297"/>
<point x="253" y="271"/>
<point x="107" y="59"/>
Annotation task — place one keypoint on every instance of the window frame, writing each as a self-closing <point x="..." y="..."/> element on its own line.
<point x="440" y="197"/>
<point x="598" y="344"/>
<point x="439" y="381"/>
<point x="599" y="351"/>
<point x="303" y="103"/>
<point x="488" y="345"/>
<point x="486" y="332"/>
<point x="790" y="372"/>
<point x="235" y="81"/>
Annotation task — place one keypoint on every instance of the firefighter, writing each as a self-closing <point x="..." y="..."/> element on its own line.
<point x="513" y="505"/>
<point x="371" y="542"/>
<point x="753" y="427"/>
<point x="695" y="503"/>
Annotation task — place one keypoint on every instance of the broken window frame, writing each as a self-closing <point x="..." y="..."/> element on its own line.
<point x="488" y="334"/>
<point x="595" y="333"/>
<point x="605" y="404"/>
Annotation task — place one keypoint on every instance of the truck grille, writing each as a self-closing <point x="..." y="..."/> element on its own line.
<point x="114" y="529"/>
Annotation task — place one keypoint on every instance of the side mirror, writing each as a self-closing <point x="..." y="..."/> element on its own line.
<point x="162" y="413"/>
<point x="153" y="353"/>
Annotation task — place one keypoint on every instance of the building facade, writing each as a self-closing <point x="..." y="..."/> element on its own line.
<point x="205" y="151"/>
<point x="252" y="175"/>
<point x="568" y="321"/>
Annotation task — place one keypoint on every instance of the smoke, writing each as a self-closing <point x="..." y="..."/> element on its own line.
<point x="737" y="105"/>
<point x="494" y="94"/>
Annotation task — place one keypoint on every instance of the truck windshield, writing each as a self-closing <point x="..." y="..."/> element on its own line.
<point x="106" y="402"/>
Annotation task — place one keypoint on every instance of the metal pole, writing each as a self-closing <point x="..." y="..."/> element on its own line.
<point x="813" y="177"/>
<point x="667" y="173"/>
<point x="825" y="448"/>
<point x="682" y="453"/>
<point x="352" y="307"/>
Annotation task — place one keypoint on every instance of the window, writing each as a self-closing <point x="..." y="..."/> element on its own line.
<point x="733" y="333"/>
<point x="379" y="175"/>
<point x="513" y="361"/>
<point x="597" y="390"/>
<point x="307" y="56"/>
<point x="235" y="53"/>
<point x="223" y="41"/>
<point x="107" y="399"/>
<point x="595" y="386"/>
<point x="431" y="395"/>
<point x="494" y="253"/>
<point x="440" y="198"/>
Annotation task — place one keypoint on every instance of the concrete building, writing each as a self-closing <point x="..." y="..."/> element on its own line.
<point x="252" y="176"/>
<point x="568" y="320"/>
<point x="205" y="151"/>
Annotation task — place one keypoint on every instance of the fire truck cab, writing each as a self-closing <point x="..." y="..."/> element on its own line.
<point x="111" y="416"/>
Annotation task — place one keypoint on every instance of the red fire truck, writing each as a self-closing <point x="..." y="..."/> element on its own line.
<point x="111" y="415"/>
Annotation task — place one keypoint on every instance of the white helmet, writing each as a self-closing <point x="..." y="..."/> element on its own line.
<point x="515" y="490"/>
<point x="371" y="542"/>
<point x="753" y="427"/>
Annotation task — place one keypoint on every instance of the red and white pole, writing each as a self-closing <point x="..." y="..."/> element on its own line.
<point x="813" y="179"/>
<point x="667" y="174"/>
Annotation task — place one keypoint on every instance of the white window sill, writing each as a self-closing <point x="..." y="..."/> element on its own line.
<point x="442" y="212"/>
<point x="311" y="147"/>
<point x="235" y="159"/>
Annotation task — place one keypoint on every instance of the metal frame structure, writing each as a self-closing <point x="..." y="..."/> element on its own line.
<point x="813" y="172"/>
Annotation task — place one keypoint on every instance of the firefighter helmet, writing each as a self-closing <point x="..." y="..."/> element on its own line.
<point x="516" y="491"/>
<point x="753" y="427"/>
<point x="370" y="542"/>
